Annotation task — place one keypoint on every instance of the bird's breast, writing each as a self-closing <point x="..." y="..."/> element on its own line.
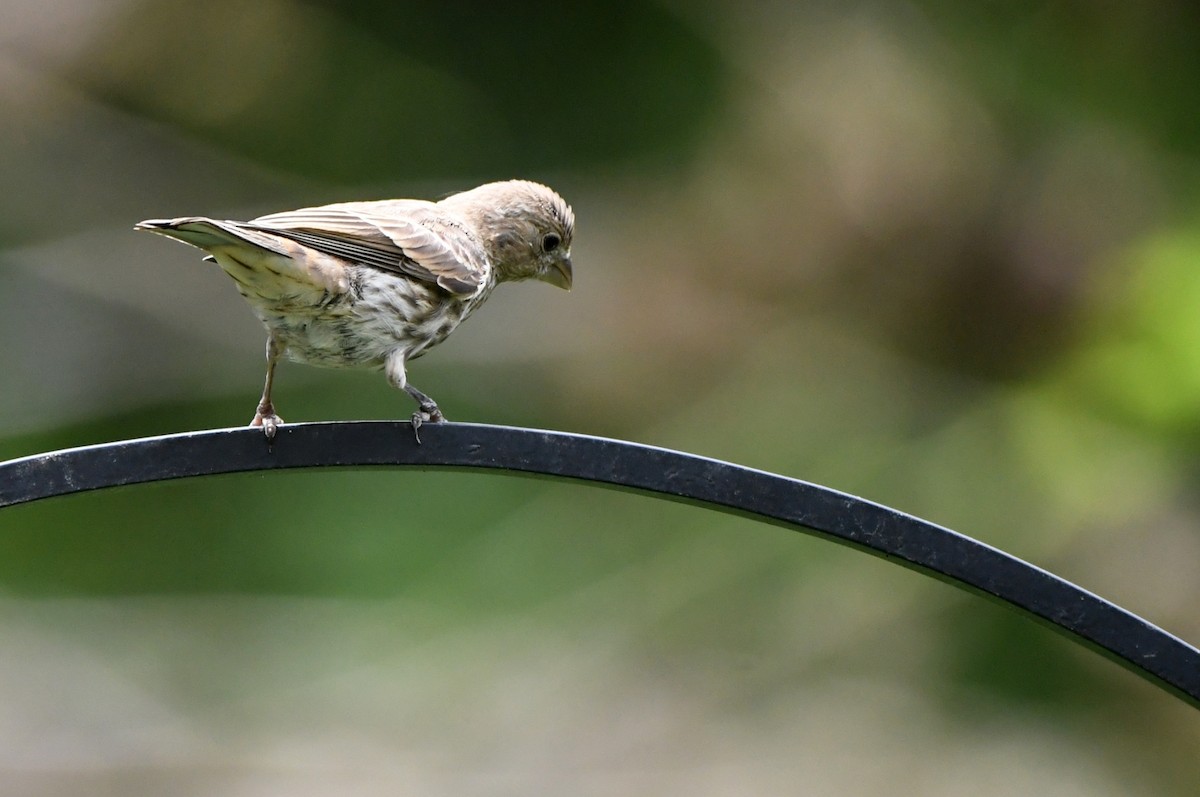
<point x="381" y="314"/>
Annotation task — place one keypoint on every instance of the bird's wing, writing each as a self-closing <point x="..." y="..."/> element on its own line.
<point x="386" y="235"/>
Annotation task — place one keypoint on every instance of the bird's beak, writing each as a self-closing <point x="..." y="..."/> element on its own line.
<point x="561" y="274"/>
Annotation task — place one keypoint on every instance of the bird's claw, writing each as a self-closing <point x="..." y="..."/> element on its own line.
<point x="428" y="413"/>
<point x="269" y="421"/>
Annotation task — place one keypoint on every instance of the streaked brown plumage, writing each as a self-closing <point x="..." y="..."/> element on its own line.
<point x="376" y="284"/>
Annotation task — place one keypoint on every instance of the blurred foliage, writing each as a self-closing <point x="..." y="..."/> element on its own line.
<point x="1141" y="364"/>
<point x="942" y="255"/>
<point x="1133" y="66"/>
<point x="375" y="88"/>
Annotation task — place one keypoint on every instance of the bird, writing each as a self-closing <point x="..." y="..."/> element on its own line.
<point x="375" y="284"/>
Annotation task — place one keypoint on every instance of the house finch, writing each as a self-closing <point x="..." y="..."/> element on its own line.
<point x="376" y="284"/>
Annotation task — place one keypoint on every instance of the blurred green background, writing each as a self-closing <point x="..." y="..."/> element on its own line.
<point x="943" y="255"/>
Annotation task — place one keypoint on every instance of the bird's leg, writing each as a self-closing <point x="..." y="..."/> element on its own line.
<point x="265" y="416"/>
<point x="427" y="408"/>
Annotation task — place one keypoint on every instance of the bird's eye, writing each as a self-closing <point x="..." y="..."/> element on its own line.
<point x="551" y="241"/>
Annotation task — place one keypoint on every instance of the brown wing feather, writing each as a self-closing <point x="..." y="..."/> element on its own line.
<point x="386" y="235"/>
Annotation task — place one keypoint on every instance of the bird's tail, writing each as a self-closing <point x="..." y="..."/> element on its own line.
<point x="211" y="234"/>
<point x="265" y="267"/>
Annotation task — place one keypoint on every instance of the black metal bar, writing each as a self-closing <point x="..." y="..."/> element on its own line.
<point x="1129" y="640"/>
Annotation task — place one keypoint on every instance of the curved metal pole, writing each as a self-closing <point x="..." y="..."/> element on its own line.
<point x="1143" y="648"/>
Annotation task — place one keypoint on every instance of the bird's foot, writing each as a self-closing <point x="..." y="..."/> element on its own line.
<point x="268" y="420"/>
<point x="427" y="413"/>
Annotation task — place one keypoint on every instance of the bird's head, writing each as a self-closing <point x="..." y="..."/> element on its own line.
<point x="526" y="227"/>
